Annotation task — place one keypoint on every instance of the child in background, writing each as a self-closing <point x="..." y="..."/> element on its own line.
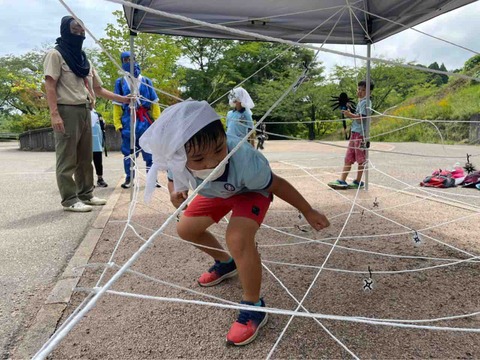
<point x="355" y="151"/>
<point x="98" y="137"/>
<point x="261" y="135"/>
<point x="189" y="141"/>
<point x="239" y="120"/>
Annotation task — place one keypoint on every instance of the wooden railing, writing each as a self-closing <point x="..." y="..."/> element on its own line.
<point x="44" y="140"/>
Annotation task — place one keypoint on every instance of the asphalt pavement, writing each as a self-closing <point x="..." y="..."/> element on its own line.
<point x="37" y="238"/>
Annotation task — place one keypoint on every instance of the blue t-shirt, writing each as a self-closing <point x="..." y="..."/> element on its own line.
<point x="239" y="123"/>
<point x="246" y="171"/>
<point x="361" y="110"/>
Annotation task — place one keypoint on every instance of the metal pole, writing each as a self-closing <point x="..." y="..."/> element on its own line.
<point x="369" y="113"/>
<point x="133" y="91"/>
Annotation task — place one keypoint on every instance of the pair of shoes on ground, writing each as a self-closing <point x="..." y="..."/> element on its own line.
<point x="245" y="329"/>
<point x="128" y="184"/>
<point x="85" y="205"/>
<point x="342" y="185"/>
<point x="101" y="183"/>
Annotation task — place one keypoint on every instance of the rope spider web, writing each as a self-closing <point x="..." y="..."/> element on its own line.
<point x="310" y="291"/>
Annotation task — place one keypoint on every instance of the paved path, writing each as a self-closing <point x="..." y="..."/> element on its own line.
<point x="37" y="238"/>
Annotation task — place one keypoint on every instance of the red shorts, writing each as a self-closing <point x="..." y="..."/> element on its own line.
<point x="354" y="153"/>
<point x="251" y="205"/>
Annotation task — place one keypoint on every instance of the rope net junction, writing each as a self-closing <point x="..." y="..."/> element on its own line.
<point x="397" y="260"/>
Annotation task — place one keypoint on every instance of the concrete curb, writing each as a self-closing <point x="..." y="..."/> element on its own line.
<point x="49" y="315"/>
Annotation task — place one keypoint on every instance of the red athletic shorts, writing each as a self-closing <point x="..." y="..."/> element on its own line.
<point x="354" y="153"/>
<point x="251" y="205"/>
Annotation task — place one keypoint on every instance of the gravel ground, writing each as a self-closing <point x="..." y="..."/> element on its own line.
<point x="381" y="224"/>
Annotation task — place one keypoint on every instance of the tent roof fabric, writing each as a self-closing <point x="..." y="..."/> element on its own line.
<point x="290" y="19"/>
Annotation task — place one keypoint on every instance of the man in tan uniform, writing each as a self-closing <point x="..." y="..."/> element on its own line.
<point x="71" y="85"/>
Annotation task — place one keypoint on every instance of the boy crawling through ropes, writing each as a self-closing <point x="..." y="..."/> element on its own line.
<point x="189" y="140"/>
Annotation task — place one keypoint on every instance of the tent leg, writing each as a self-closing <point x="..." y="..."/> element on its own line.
<point x="369" y="112"/>
<point x="133" y="91"/>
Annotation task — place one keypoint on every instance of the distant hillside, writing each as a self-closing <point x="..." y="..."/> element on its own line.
<point x="459" y="99"/>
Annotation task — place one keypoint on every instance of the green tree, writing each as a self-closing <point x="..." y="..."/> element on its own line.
<point x="444" y="76"/>
<point x="22" y="102"/>
<point x="201" y="75"/>
<point x="471" y="63"/>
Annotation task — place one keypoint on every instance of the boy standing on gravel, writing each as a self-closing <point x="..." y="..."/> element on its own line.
<point x="356" y="146"/>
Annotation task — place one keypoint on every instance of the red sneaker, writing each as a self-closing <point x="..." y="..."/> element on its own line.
<point x="245" y="329"/>
<point x="217" y="273"/>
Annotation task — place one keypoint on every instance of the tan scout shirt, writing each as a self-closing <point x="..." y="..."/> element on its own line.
<point x="71" y="89"/>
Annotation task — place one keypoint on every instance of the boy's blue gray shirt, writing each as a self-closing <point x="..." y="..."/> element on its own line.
<point x="247" y="170"/>
<point x="361" y="110"/>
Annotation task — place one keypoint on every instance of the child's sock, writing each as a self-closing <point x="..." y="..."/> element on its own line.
<point x="228" y="261"/>
<point x="259" y="303"/>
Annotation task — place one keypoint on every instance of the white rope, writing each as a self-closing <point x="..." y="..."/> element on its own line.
<point x="259" y="18"/>
<point x="315" y="278"/>
<point x="416" y="30"/>
<point x="288" y="42"/>
<point x="384" y="272"/>
<point x="182" y="288"/>
<point x="370" y="149"/>
<point x="305" y="309"/>
<point x="393" y="221"/>
<point x="112" y="59"/>
<point x="361" y="320"/>
<point x="423" y="120"/>
<point x="284" y="52"/>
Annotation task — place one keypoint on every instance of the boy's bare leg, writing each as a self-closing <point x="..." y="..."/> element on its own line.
<point x="360" y="172"/>
<point x="241" y="243"/>
<point x="345" y="171"/>
<point x="194" y="229"/>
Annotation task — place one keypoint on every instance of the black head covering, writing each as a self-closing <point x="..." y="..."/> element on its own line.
<point x="70" y="46"/>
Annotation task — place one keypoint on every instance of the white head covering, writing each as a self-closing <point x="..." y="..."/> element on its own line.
<point x="165" y="139"/>
<point x="241" y="95"/>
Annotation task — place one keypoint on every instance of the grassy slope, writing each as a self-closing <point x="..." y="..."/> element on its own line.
<point x="457" y="100"/>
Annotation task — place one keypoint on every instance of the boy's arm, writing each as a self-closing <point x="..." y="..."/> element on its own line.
<point x="177" y="198"/>
<point x="285" y="191"/>
<point x="351" y="115"/>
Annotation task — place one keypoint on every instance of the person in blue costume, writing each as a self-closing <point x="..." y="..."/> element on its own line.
<point x="239" y="120"/>
<point x="147" y="110"/>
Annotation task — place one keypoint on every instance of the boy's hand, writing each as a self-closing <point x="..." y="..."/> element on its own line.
<point x="177" y="198"/>
<point x="316" y="219"/>
<point x="347" y="113"/>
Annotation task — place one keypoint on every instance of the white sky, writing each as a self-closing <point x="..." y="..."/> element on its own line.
<point x="27" y="24"/>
